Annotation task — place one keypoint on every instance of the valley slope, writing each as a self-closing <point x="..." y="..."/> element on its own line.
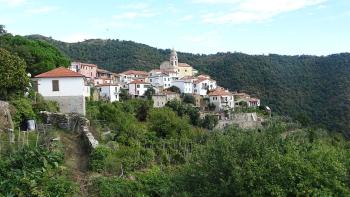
<point x="313" y="89"/>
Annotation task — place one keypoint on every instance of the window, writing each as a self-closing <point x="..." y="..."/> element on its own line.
<point x="138" y="86"/>
<point x="150" y="80"/>
<point x="55" y="86"/>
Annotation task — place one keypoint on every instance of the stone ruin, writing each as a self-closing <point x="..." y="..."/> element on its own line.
<point x="72" y="123"/>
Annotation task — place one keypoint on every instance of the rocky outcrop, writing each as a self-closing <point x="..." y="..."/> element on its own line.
<point x="72" y="123"/>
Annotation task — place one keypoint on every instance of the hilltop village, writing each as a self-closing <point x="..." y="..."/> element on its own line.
<point x="70" y="87"/>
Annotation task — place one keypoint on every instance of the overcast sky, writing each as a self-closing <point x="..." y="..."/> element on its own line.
<point x="317" y="27"/>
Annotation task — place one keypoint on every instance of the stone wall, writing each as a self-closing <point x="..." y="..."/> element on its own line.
<point x="72" y="123"/>
<point x="69" y="104"/>
<point x="243" y="120"/>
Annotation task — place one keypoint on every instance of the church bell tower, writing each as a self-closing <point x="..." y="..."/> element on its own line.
<point x="174" y="62"/>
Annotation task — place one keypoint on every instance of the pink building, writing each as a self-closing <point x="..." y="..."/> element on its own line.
<point x="88" y="70"/>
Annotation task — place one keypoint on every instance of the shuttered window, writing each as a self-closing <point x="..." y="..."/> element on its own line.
<point x="55" y="86"/>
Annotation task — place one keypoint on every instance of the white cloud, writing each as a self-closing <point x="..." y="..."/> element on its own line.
<point x="133" y="15"/>
<point x="41" y="10"/>
<point x="186" y="18"/>
<point x="13" y="3"/>
<point x="206" y="41"/>
<point x="246" y="11"/>
<point x="76" y="37"/>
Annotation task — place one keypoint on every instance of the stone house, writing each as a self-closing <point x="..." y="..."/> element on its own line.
<point x="161" y="98"/>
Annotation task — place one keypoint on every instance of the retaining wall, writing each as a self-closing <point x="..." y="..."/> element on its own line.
<point x="73" y="123"/>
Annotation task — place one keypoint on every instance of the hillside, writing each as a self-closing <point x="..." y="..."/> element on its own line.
<point x="312" y="89"/>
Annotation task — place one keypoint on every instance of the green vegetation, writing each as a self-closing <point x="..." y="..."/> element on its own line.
<point x="316" y="87"/>
<point x="32" y="166"/>
<point x="145" y="151"/>
<point x="39" y="56"/>
<point x="280" y="159"/>
<point x="14" y="79"/>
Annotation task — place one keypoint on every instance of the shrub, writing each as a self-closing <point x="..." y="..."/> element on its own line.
<point x="98" y="158"/>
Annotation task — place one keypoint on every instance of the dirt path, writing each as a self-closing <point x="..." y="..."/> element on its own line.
<point x="76" y="159"/>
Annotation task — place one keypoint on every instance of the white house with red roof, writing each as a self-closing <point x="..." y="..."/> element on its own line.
<point x="131" y="75"/>
<point x="222" y="99"/>
<point x="66" y="87"/>
<point x="160" y="80"/>
<point x="246" y="98"/>
<point x="138" y="88"/>
<point x="202" y="85"/>
<point x="109" y="91"/>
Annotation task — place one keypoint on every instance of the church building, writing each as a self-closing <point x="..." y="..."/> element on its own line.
<point x="182" y="69"/>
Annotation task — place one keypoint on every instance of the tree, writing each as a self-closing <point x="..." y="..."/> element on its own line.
<point x="183" y="109"/>
<point x="39" y="56"/>
<point x="142" y="111"/>
<point x="2" y="29"/>
<point x="209" y="122"/>
<point x="124" y="95"/>
<point x="150" y="92"/>
<point x="188" y="98"/>
<point x="174" y="89"/>
<point x="14" y="80"/>
<point x="166" y="123"/>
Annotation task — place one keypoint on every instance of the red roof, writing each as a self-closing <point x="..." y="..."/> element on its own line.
<point x="203" y="76"/>
<point x="59" y="72"/>
<point x="138" y="82"/>
<point x="220" y="92"/>
<point x="200" y="80"/>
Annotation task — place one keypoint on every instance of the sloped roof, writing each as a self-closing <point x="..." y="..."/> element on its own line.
<point x="203" y="76"/>
<point x="134" y="72"/>
<point x="138" y="82"/>
<point x="199" y="80"/>
<point x="183" y="65"/>
<point x="59" y="72"/>
<point x="104" y="71"/>
<point x="220" y="92"/>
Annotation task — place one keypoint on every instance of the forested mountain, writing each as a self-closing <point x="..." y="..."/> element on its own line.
<point x="312" y="89"/>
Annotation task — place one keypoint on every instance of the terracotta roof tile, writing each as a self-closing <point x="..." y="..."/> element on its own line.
<point x="138" y="82"/>
<point x="220" y="92"/>
<point x="199" y="80"/>
<point x="59" y="72"/>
